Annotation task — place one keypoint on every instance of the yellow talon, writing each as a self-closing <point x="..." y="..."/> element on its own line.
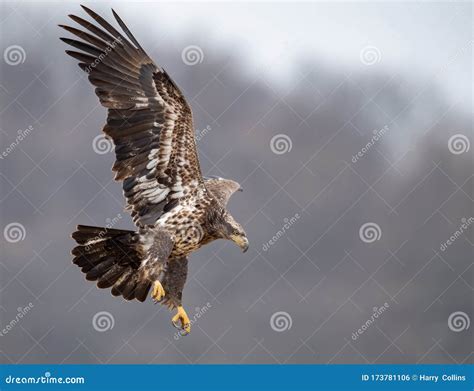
<point x="158" y="291"/>
<point x="183" y="318"/>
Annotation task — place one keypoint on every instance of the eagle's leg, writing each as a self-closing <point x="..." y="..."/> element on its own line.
<point x="173" y="281"/>
<point x="182" y="317"/>
<point x="155" y="264"/>
<point x="158" y="291"/>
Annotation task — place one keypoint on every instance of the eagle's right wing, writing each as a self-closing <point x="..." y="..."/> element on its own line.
<point x="148" y="119"/>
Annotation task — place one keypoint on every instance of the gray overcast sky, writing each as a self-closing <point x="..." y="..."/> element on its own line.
<point x="411" y="37"/>
<point x="427" y="38"/>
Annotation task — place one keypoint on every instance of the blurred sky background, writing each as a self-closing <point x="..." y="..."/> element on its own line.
<point x="284" y="95"/>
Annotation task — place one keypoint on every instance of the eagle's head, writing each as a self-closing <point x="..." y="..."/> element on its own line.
<point x="230" y="229"/>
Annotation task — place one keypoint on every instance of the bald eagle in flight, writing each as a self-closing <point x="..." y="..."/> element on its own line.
<point x="175" y="209"/>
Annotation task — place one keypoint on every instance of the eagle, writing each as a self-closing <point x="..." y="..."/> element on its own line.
<point x="175" y="208"/>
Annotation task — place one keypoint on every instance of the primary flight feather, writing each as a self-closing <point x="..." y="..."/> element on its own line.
<point x="176" y="210"/>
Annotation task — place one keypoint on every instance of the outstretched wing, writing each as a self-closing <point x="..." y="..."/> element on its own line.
<point x="222" y="189"/>
<point x="148" y="119"/>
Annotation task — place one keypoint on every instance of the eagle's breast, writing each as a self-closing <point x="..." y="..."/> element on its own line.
<point x="186" y="224"/>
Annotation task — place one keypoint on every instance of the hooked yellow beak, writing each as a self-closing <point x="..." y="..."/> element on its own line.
<point x="241" y="241"/>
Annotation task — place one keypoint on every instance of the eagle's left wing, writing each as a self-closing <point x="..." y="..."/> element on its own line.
<point x="149" y="120"/>
<point x="221" y="188"/>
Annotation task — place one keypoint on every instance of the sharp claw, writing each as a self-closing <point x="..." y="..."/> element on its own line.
<point x="184" y="325"/>
<point x="158" y="292"/>
<point x="176" y="324"/>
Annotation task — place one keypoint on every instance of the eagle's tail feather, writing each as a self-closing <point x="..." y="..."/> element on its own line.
<point x="111" y="257"/>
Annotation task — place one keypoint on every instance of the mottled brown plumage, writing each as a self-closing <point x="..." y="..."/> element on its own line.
<point x="175" y="209"/>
